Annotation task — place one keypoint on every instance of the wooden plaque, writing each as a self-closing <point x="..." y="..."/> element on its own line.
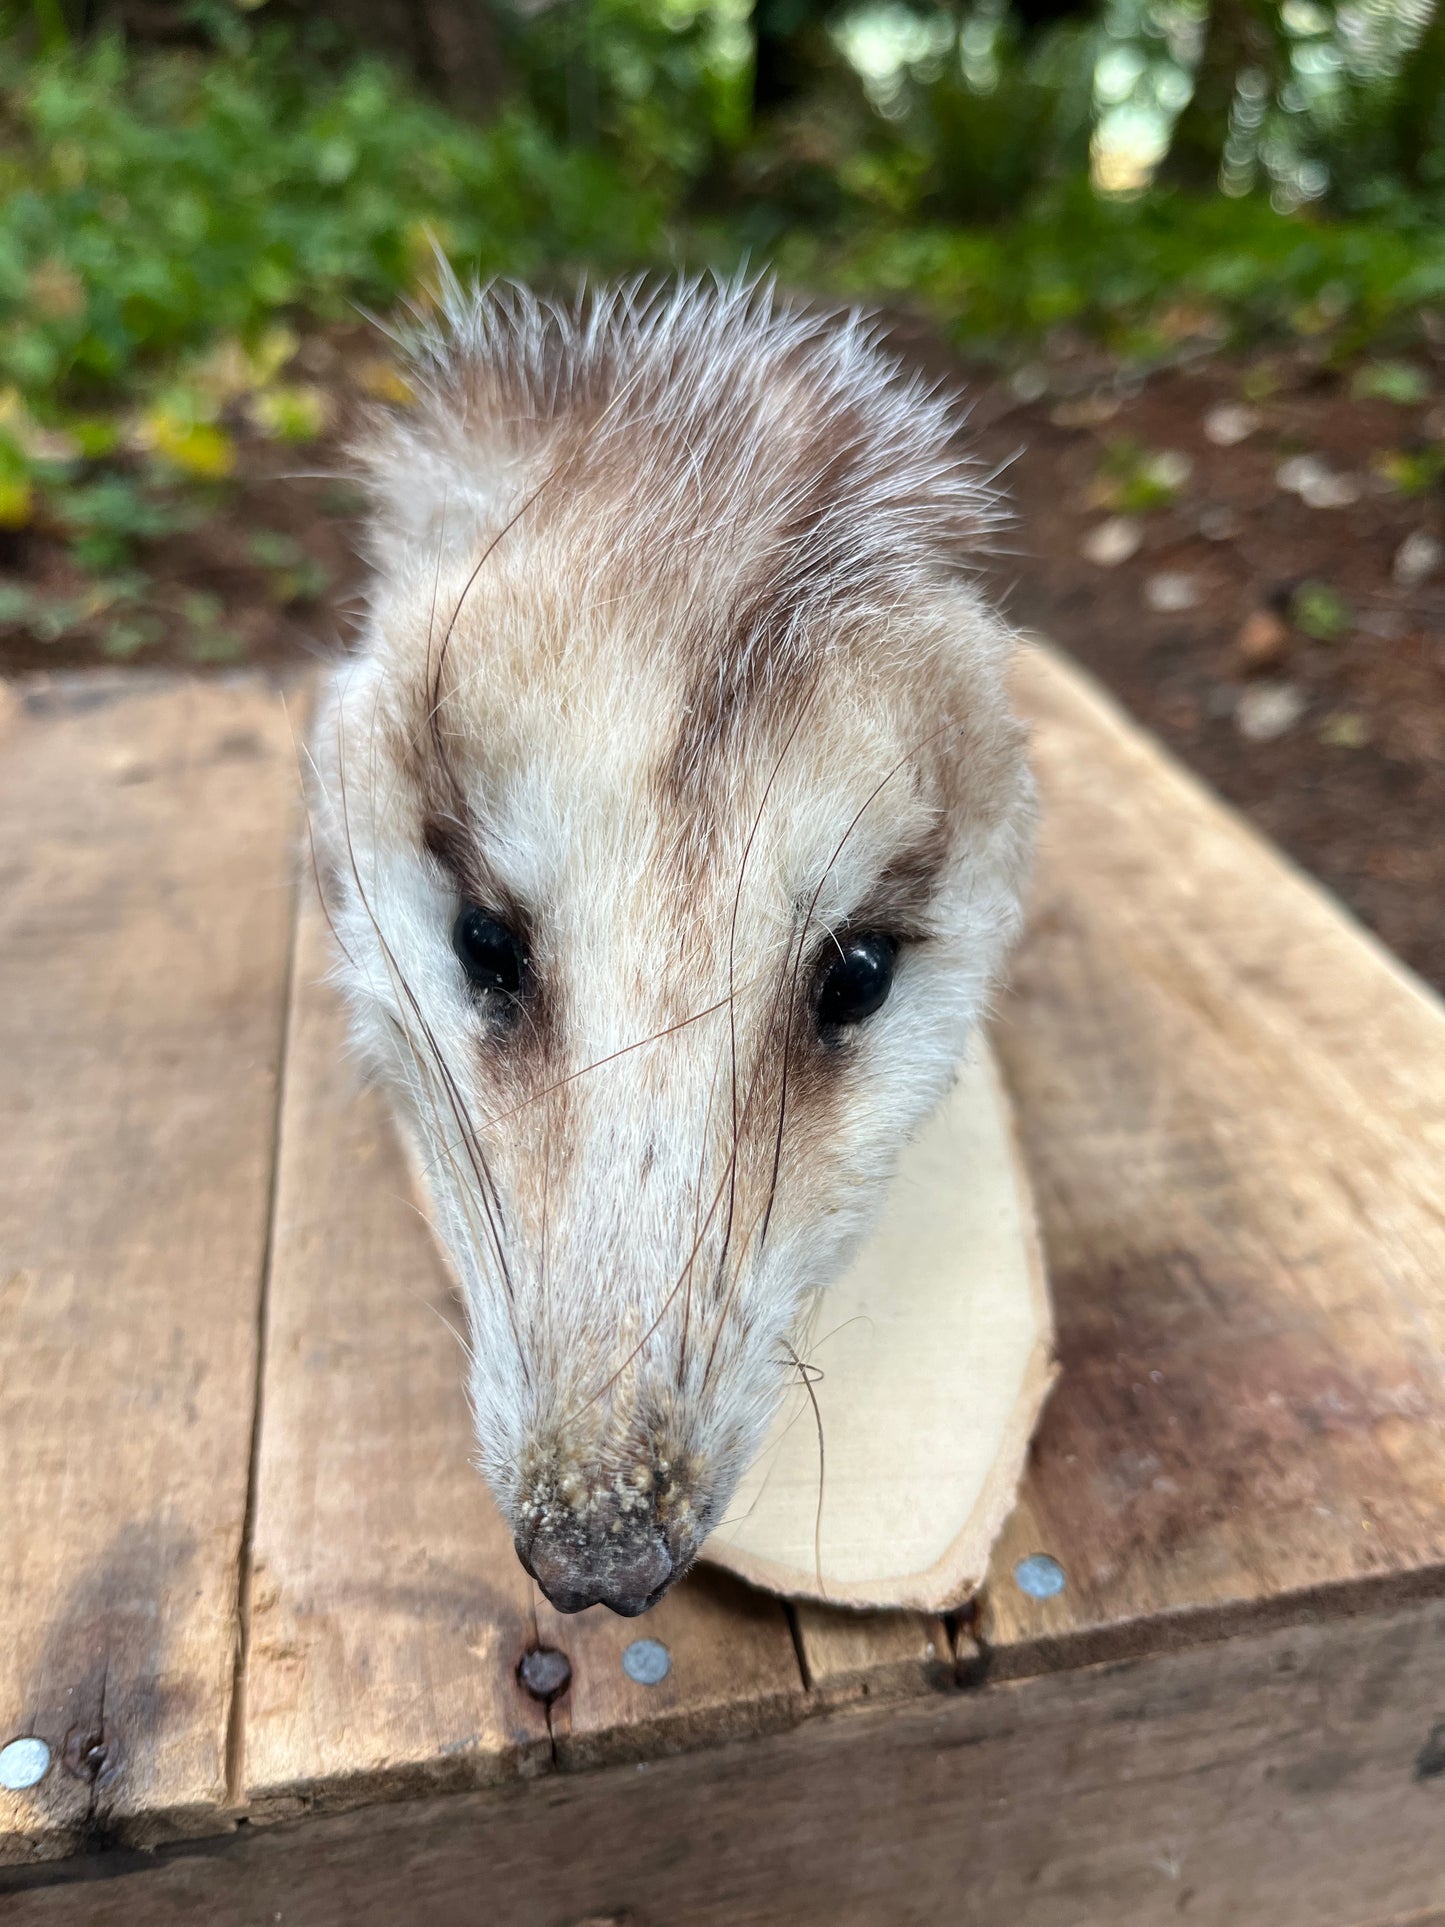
<point x="890" y="1470"/>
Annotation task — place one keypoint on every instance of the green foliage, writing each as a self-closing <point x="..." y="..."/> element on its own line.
<point x="1320" y="612"/>
<point x="150" y="204"/>
<point x="1133" y="480"/>
<point x="1397" y="381"/>
<point x="293" y="575"/>
<point x="991" y="141"/>
<point x="172" y="224"/>
<point x="661" y="85"/>
<point x="16" y="603"/>
<point x="1413" y="471"/>
<point x="164" y="217"/>
<point x="106" y="517"/>
<point x="1378" y="132"/>
<point x="210" y="640"/>
<point x="1144" y="273"/>
<point x="153" y="206"/>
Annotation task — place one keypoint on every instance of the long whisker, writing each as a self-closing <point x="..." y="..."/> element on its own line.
<point x="727" y="1289"/>
<point x="792" y="1003"/>
<point x="301" y="750"/>
<point x="403" y="988"/>
<point x="682" y="1276"/>
<point x="804" y="708"/>
<point x="668" y="1030"/>
<point x="471" y="1144"/>
<point x="867" y="804"/>
<point x="810" y="1374"/>
<point x="706" y="1139"/>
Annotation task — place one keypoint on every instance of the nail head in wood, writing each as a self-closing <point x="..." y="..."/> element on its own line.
<point x="23" y="1763"/>
<point x="1039" y="1576"/>
<point x="545" y="1672"/>
<point x="91" y="1753"/>
<point x="647" y="1662"/>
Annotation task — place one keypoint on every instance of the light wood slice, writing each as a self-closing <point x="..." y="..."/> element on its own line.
<point x="933" y="1359"/>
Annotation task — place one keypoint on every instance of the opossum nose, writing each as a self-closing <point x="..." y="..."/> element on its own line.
<point x="626" y="1577"/>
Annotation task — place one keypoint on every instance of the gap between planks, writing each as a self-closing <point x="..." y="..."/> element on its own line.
<point x="236" y="1726"/>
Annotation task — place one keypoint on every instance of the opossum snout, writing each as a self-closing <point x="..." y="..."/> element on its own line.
<point x="618" y="1542"/>
<point x="628" y="1573"/>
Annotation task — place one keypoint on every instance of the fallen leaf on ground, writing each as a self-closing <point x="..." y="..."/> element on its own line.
<point x="1317" y="485"/>
<point x="1262" y="641"/>
<point x="1218" y="524"/>
<point x="1417" y="559"/>
<point x="1346" y="729"/>
<point x="1231" y="422"/>
<point x="1170" y="593"/>
<point x="1268" y="711"/>
<point x="1112" y="542"/>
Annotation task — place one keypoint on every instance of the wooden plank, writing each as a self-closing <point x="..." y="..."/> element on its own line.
<point x="388" y="1610"/>
<point x="731" y="1670"/>
<point x="145" y="858"/>
<point x="1233" y="1106"/>
<point x="850" y="1656"/>
<point x="1281" y="1781"/>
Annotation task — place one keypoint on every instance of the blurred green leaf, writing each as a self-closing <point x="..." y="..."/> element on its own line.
<point x="17" y="488"/>
<point x="1397" y="381"/>
<point x="1132" y="479"/>
<point x="107" y="517"/>
<point x="1412" y="471"/>
<point x="126" y="638"/>
<point x="16" y="603"/>
<point x="1320" y="612"/>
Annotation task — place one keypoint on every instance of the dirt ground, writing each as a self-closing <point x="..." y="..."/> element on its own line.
<point x="1248" y="551"/>
<point x="1332" y="742"/>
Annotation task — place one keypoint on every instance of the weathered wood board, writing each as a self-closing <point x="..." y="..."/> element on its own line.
<point x="1233" y="1110"/>
<point x="1233" y="1102"/>
<point x="145" y="911"/>
<point x="1281" y="1786"/>
<point x="732" y="1671"/>
<point x="387" y="1608"/>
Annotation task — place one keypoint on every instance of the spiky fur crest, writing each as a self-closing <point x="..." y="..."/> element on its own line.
<point x="672" y="662"/>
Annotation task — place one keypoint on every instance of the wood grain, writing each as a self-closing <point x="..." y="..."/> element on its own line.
<point x="851" y="1656"/>
<point x="1233" y="1106"/>
<point x="1231" y="1103"/>
<point x="1275" y="1782"/>
<point x="387" y="1609"/>
<point x="733" y="1671"/>
<point x="145" y="898"/>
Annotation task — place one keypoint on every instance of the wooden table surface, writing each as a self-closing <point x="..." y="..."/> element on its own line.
<point x="260" y="1609"/>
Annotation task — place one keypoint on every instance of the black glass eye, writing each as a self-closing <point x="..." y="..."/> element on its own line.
<point x="858" y="980"/>
<point x="491" y="953"/>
